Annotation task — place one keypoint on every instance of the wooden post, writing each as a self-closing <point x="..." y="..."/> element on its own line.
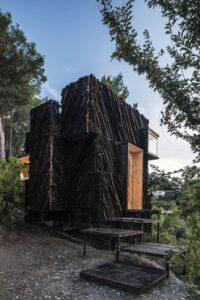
<point x="142" y="229"/>
<point x="118" y="249"/>
<point x="158" y="229"/>
<point x="110" y="244"/>
<point x="84" y="247"/>
<point x="167" y="266"/>
<point x="131" y="238"/>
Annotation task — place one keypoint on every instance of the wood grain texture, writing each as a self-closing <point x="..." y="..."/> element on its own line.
<point x="135" y="177"/>
<point x="114" y="232"/>
<point x="155" y="249"/>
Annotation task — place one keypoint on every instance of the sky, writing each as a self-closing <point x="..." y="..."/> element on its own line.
<point x="75" y="43"/>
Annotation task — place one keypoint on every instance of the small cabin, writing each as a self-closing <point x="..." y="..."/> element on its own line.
<point x="88" y="156"/>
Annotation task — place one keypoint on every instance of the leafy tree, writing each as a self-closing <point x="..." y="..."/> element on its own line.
<point x="184" y="225"/>
<point x="116" y="85"/>
<point x="16" y="125"/>
<point x="176" y="226"/>
<point x="178" y="82"/>
<point x="193" y="261"/>
<point x="165" y="181"/>
<point x="190" y="200"/>
<point x="21" y="72"/>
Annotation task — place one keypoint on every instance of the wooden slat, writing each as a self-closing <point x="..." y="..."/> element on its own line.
<point x="115" y="232"/>
<point x="155" y="249"/>
<point x="134" y="220"/>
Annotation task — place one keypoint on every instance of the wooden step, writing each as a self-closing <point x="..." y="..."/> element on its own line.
<point x="133" y="278"/>
<point x="155" y="249"/>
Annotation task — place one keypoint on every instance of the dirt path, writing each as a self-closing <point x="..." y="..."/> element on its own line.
<point x="37" y="264"/>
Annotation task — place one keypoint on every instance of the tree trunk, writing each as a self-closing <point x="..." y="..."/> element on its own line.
<point x="2" y="141"/>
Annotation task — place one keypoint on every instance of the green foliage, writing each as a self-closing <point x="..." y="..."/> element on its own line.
<point x="17" y="125"/>
<point x="165" y="181"/>
<point x="178" y="82"/>
<point x="175" y="225"/>
<point x="183" y="226"/>
<point x="193" y="264"/>
<point x="20" y="126"/>
<point x="21" y="75"/>
<point x="187" y="267"/>
<point x="193" y="294"/>
<point x="21" y="72"/>
<point x="11" y="191"/>
<point x="189" y="203"/>
<point x="116" y="85"/>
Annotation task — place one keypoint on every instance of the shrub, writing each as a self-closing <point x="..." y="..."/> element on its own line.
<point x="176" y="226"/>
<point x="11" y="191"/>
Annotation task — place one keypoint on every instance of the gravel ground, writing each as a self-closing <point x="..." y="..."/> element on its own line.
<point x="37" y="264"/>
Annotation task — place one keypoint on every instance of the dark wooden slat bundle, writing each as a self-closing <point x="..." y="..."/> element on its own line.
<point x="45" y="119"/>
<point x="48" y="186"/>
<point x="80" y="168"/>
<point x="88" y="106"/>
<point x="83" y="175"/>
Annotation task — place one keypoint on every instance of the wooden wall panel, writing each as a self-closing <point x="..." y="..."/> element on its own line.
<point x="138" y="180"/>
<point x="135" y="178"/>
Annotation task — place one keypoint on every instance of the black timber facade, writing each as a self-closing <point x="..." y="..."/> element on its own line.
<point x="77" y="154"/>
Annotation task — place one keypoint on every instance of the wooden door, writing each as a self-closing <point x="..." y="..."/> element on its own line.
<point x="135" y="178"/>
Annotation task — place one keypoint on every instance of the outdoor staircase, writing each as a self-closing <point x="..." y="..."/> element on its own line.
<point x="131" y="277"/>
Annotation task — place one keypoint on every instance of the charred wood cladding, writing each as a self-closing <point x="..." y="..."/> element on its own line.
<point x="88" y="156"/>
